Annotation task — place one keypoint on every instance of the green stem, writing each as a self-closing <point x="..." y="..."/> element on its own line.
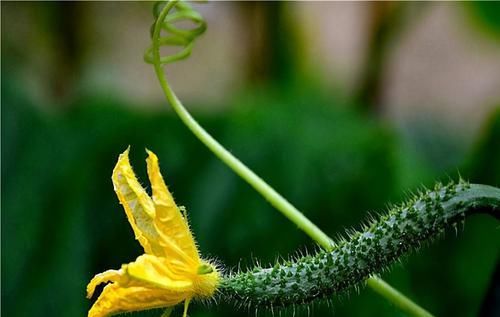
<point x="271" y="195"/>
<point x="398" y="299"/>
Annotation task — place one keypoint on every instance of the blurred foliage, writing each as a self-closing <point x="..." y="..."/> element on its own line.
<point x="483" y="164"/>
<point x="487" y="16"/>
<point x="61" y="222"/>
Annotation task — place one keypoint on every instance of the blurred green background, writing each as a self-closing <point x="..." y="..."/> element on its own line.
<point x="342" y="107"/>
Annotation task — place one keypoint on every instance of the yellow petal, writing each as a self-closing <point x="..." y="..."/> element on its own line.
<point x="161" y="195"/>
<point x="138" y="205"/>
<point x="115" y="299"/>
<point x="155" y="272"/>
<point x="169" y="272"/>
<point x="169" y="221"/>
<point x="109" y="275"/>
<point x="147" y="271"/>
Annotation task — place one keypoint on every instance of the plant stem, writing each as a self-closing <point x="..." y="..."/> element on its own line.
<point x="398" y="299"/>
<point x="271" y="195"/>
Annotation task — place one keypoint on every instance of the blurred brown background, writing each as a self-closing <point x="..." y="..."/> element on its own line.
<point x="342" y="106"/>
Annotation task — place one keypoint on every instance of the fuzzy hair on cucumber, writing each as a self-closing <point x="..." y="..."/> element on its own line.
<point x="380" y="243"/>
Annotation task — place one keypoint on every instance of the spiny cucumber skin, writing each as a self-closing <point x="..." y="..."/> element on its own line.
<point x="403" y="229"/>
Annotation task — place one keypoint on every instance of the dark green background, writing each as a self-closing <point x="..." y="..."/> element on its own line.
<point x="61" y="221"/>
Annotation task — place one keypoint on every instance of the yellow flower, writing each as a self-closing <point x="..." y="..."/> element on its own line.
<point x="171" y="270"/>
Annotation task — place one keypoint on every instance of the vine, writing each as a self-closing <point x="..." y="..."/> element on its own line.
<point x="340" y="266"/>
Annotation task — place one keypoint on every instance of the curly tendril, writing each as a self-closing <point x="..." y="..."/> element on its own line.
<point x="175" y="36"/>
<point x="285" y="285"/>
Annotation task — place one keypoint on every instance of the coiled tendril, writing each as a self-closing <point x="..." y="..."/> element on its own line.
<point x="173" y="34"/>
<point x="164" y="32"/>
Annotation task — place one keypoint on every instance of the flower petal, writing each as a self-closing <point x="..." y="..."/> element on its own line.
<point x="138" y="205"/>
<point x="146" y="271"/>
<point x="156" y="272"/>
<point x="116" y="299"/>
<point x="170" y="222"/>
<point x="109" y="275"/>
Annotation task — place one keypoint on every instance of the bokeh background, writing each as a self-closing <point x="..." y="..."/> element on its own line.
<point x="342" y="107"/>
